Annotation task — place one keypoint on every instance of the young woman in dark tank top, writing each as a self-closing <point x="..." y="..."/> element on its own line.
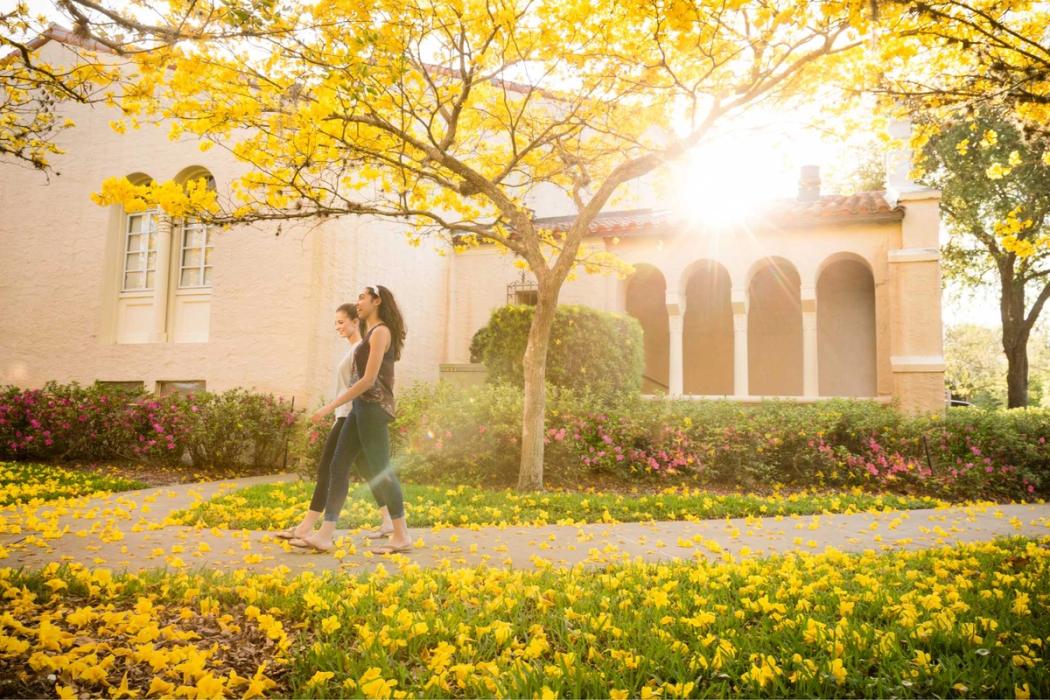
<point x="366" y="429"/>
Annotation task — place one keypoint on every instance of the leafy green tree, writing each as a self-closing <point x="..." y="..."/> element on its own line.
<point x="860" y="168"/>
<point x="975" y="369"/>
<point x="1039" y="368"/>
<point x="995" y="185"/>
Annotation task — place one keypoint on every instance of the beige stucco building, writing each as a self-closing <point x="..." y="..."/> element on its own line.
<point x="814" y="297"/>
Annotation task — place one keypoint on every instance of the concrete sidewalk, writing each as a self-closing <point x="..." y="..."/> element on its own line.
<point x="126" y="531"/>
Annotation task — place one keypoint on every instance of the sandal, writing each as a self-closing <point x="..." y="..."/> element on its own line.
<point x="288" y="534"/>
<point x="309" y="546"/>
<point x="391" y="549"/>
<point x="378" y="534"/>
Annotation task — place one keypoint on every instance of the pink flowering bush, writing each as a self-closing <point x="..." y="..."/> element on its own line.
<point x="472" y="435"/>
<point x="97" y="423"/>
<point x="74" y="422"/>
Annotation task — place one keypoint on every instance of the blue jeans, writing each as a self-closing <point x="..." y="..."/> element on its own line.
<point x="365" y="430"/>
<point x="324" y="467"/>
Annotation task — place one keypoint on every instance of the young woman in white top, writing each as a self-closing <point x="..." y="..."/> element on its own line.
<point x="348" y="326"/>
<point x="366" y="431"/>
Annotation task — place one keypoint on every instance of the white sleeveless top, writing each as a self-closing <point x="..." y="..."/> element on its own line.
<point x="342" y="380"/>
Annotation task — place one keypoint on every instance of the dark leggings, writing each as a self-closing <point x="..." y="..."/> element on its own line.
<point x="363" y="431"/>
<point x="324" y="467"/>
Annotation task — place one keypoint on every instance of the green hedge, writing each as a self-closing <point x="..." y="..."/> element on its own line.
<point x="588" y="348"/>
<point x="472" y="435"/>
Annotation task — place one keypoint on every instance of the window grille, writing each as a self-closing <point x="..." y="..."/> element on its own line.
<point x="524" y="291"/>
<point x="140" y="251"/>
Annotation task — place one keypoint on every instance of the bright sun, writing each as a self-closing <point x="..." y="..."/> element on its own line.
<point x="724" y="178"/>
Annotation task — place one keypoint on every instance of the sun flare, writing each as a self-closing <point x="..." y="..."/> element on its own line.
<point x="720" y="182"/>
<point x="725" y="178"/>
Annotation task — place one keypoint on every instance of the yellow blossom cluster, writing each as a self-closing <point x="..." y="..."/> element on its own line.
<point x="193" y="198"/>
<point x="1013" y="234"/>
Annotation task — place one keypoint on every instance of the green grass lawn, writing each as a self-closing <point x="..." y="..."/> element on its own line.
<point x="280" y="505"/>
<point x="28" y="483"/>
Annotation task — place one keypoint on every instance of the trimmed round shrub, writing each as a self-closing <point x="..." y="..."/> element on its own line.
<point x="590" y="350"/>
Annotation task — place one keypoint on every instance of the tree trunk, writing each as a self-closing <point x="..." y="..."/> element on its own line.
<point x="1017" y="377"/>
<point x="530" y="475"/>
<point x="1015" y="341"/>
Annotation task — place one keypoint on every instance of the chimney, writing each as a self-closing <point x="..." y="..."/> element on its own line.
<point x="898" y="162"/>
<point x="809" y="183"/>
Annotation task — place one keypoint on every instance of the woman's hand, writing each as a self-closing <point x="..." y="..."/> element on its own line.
<point x="319" y="416"/>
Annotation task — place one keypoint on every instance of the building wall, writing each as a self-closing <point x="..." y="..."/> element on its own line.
<point x="272" y="300"/>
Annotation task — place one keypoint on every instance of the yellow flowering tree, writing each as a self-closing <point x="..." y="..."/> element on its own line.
<point x="31" y="89"/>
<point x="995" y="188"/>
<point x="458" y="116"/>
<point x="946" y="54"/>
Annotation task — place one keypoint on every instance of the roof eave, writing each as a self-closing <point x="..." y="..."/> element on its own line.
<point x="663" y="230"/>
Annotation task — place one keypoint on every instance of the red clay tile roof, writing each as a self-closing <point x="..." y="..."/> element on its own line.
<point x="782" y="213"/>
<point x="62" y="35"/>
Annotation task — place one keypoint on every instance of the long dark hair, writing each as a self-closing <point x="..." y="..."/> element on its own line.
<point x="390" y="315"/>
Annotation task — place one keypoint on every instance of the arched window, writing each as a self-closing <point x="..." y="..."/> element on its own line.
<point x="195" y="246"/>
<point x="707" y="332"/>
<point x="140" y="251"/>
<point x="189" y="300"/>
<point x="140" y="247"/>
<point x="165" y="274"/>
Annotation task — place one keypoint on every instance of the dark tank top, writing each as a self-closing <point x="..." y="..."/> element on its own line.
<point x="382" y="392"/>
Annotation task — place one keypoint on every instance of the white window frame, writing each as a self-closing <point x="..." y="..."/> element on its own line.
<point x="204" y="267"/>
<point x="183" y="387"/>
<point x="148" y="234"/>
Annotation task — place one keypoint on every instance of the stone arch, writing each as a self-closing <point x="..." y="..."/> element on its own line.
<point x="707" y="330"/>
<point x="645" y="299"/>
<point x="774" y="329"/>
<point x="846" y="353"/>
<point x="138" y="178"/>
<point x="195" y="172"/>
